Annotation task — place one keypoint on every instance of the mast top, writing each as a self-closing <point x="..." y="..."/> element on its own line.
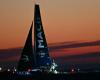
<point x="36" y="2"/>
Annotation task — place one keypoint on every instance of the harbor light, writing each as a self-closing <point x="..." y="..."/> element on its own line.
<point x="0" y="69"/>
<point x="15" y="70"/>
<point x="8" y="70"/>
<point x="72" y="70"/>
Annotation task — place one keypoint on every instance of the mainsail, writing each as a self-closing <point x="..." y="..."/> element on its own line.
<point x="43" y="59"/>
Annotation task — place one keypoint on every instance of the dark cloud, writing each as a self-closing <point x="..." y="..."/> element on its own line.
<point x="82" y="57"/>
<point x="74" y="45"/>
<point x="9" y="54"/>
<point x="6" y="53"/>
<point x="13" y="55"/>
<point x="84" y="61"/>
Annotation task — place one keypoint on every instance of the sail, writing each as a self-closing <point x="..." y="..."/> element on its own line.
<point x="43" y="59"/>
<point x="27" y="58"/>
<point x="40" y="58"/>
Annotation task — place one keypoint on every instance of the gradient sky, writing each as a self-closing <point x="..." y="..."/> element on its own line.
<point x="63" y="20"/>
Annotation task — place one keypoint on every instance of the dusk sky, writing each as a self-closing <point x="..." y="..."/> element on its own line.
<point x="72" y="29"/>
<point x="63" y="20"/>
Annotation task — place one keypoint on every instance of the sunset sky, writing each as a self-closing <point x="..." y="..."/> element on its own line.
<point x="63" y="20"/>
<point x="72" y="29"/>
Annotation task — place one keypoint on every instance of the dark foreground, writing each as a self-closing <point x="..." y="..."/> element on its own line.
<point x="45" y="76"/>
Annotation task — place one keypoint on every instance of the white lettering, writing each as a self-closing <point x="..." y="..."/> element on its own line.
<point x="25" y="58"/>
<point x="40" y="35"/>
<point x="42" y="54"/>
<point x="40" y="44"/>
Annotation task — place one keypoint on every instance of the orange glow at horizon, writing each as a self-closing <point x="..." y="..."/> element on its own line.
<point x="63" y="20"/>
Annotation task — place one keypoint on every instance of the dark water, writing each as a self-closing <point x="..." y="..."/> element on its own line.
<point x="72" y="76"/>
